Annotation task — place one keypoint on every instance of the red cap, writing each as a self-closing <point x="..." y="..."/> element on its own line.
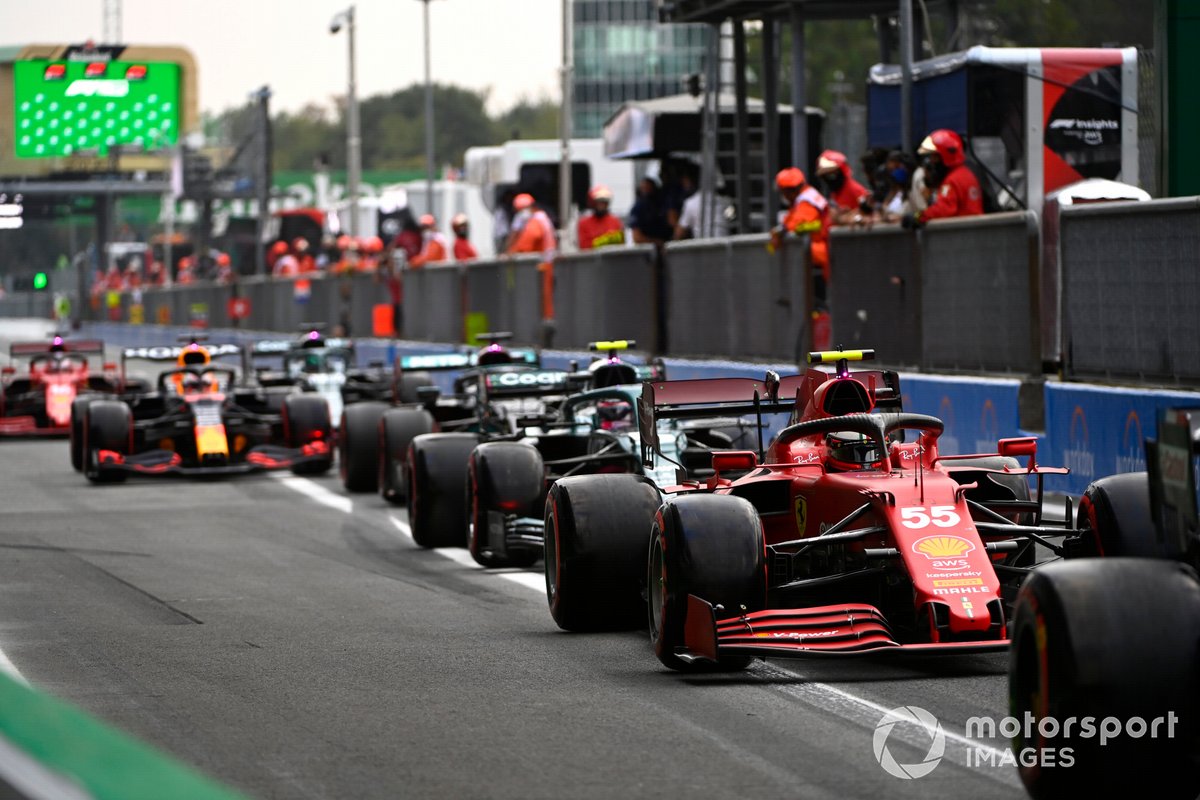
<point x="522" y="201"/>
<point x="427" y="221"/>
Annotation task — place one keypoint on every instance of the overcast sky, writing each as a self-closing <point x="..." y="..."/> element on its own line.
<point x="511" y="46"/>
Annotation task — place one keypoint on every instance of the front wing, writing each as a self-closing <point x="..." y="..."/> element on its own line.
<point x="820" y="630"/>
<point x="27" y="426"/>
<point x="166" y="462"/>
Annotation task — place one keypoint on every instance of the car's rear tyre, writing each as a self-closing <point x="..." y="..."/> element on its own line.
<point x="437" y="484"/>
<point x="597" y="533"/>
<point x="358" y="446"/>
<point x="306" y="422"/>
<point x="407" y="385"/>
<point x="397" y="428"/>
<point x="108" y="426"/>
<point x="1109" y="638"/>
<point x="502" y="478"/>
<point x="1114" y="515"/>
<point x="78" y="421"/>
<point x="710" y="546"/>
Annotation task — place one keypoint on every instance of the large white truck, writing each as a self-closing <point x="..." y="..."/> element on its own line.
<point x="532" y="165"/>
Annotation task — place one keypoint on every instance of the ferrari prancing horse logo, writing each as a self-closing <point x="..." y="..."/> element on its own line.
<point x="801" y="514"/>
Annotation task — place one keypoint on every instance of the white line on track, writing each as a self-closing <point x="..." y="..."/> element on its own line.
<point x="10" y="669"/>
<point x="846" y="705"/>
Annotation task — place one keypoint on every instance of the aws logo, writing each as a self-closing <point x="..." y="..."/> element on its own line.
<point x="1077" y="456"/>
<point x="947" y="442"/>
<point x="1131" y="457"/>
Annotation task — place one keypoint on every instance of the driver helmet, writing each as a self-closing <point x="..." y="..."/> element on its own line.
<point x="850" y="451"/>
<point x="193" y="355"/>
<point x="493" y="354"/>
<point x="615" y="415"/>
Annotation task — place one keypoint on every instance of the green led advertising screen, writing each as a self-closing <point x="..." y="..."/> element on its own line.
<point x="84" y="107"/>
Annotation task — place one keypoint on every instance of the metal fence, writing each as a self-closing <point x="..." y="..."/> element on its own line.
<point x="733" y="297"/>
<point x="1131" y="290"/>
<point x="959" y="295"/>
<point x="980" y="294"/>
<point x="962" y="294"/>
<point x="875" y="297"/>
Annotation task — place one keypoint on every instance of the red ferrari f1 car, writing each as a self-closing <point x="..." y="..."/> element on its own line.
<point x="38" y="402"/>
<point x="839" y="537"/>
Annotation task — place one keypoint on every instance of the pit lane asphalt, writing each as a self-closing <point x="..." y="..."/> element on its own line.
<point x="293" y="649"/>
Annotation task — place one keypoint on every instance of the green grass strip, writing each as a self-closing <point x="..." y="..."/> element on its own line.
<point x="108" y="764"/>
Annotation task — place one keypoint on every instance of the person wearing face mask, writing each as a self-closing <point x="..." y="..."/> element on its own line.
<point x="849" y="200"/>
<point x="899" y="200"/>
<point x="956" y="191"/>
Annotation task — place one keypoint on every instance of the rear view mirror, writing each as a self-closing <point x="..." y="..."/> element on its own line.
<point x="1022" y="446"/>
<point x="734" y="461"/>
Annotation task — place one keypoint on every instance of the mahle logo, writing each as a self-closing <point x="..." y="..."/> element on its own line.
<point x="930" y="727"/>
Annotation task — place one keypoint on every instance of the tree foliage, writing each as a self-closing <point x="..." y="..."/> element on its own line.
<point x="392" y="128"/>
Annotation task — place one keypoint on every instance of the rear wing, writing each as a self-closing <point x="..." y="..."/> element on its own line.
<point x="503" y="385"/>
<point x="172" y="353"/>
<point x="712" y="397"/>
<point x="435" y="362"/>
<point x="80" y="346"/>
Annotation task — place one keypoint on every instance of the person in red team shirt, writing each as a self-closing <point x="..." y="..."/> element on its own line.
<point x="848" y="197"/>
<point x="956" y="189"/>
<point x="599" y="228"/>
<point x="463" y="249"/>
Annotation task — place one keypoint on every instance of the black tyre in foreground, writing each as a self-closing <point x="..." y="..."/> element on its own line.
<point x="358" y="446"/>
<point x="1117" y="640"/>
<point x="306" y="421"/>
<point x="502" y="478"/>
<point x="437" y="484"/>
<point x="597" y="534"/>
<point x="108" y="425"/>
<point x="397" y="428"/>
<point x="710" y="546"/>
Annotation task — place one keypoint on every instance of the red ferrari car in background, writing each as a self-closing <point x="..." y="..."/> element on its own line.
<point x="36" y="400"/>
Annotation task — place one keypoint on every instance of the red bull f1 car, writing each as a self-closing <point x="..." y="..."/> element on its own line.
<point x="198" y="420"/>
<point x="844" y="535"/>
<point x="37" y="401"/>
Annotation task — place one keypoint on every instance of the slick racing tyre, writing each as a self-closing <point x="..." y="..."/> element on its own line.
<point x="597" y="534"/>
<point x="407" y="385"/>
<point x="502" y="478"/>
<point x="1114" y="513"/>
<point x="437" y="484"/>
<point x="397" y="428"/>
<point x="78" y="421"/>
<point x="710" y="546"/>
<point x="306" y="422"/>
<point x="358" y="446"/>
<point x="108" y="426"/>
<point x="1110" y="639"/>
